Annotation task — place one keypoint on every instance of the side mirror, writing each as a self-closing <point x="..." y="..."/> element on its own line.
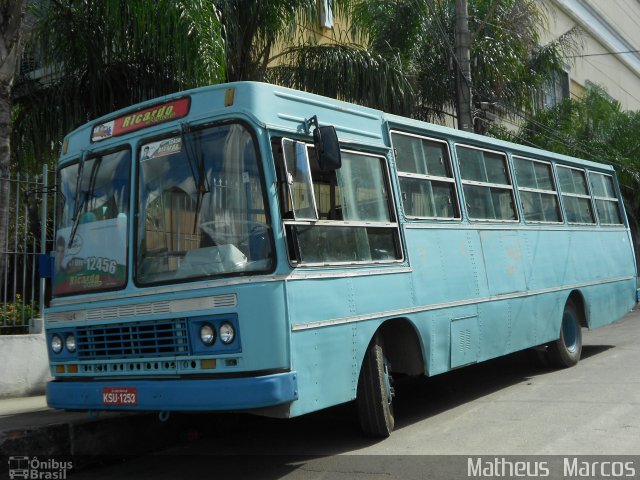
<point x="327" y="146"/>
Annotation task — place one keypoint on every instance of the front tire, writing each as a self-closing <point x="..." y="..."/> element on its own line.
<point x="565" y="352"/>
<point x="375" y="392"/>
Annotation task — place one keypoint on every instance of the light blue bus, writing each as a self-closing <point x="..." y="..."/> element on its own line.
<point x="251" y="247"/>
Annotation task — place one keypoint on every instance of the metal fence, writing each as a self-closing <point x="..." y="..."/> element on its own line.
<point x="27" y="206"/>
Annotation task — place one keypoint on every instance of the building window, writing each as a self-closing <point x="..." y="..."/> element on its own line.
<point x="326" y="13"/>
<point x="555" y="90"/>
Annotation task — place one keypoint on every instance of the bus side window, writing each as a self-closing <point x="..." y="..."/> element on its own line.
<point x="537" y="190"/>
<point x="348" y="210"/>
<point x="426" y="177"/>
<point x="486" y="184"/>
<point x="575" y="195"/>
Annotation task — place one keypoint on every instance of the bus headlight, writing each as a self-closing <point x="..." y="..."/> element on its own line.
<point x="56" y="344"/>
<point x="207" y="334"/>
<point x="71" y="343"/>
<point x="227" y="333"/>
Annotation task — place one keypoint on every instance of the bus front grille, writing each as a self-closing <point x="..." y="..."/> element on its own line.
<point x="143" y="339"/>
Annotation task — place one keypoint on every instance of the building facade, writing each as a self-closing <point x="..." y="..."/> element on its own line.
<point x="610" y="53"/>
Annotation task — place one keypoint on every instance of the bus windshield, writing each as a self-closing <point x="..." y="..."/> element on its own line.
<point x="201" y="207"/>
<point x="91" y="224"/>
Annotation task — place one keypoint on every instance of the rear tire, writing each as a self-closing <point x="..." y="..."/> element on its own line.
<point x="375" y="392"/>
<point x="565" y="352"/>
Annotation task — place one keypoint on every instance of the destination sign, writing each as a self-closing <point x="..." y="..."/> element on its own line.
<point x="141" y="119"/>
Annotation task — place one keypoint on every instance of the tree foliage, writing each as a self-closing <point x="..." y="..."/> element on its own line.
<point x="99" y="56"/>
<point x="274" y="45"/>
<point x="508" y="63"/>
<point x="11" y="16"/>
<point x="349" y="72"/>
<point x="397" y="55"/>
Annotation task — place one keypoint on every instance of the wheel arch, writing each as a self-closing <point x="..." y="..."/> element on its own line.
<point x="402" y="346"/>
<point x="577" y="298"/>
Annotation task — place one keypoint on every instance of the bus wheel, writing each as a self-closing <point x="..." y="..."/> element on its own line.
<point x="375" y="392"/>
<point x="565" y="352"/>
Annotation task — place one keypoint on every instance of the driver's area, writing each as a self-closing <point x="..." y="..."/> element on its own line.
<point x="201" y="206"/>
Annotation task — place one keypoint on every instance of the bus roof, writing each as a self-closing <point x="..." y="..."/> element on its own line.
<point x="277" y="108"/>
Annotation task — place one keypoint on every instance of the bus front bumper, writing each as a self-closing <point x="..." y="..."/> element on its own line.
<point x="176" y="395"/>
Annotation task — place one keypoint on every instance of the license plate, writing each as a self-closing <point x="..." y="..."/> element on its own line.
<point x="122" y="396"/>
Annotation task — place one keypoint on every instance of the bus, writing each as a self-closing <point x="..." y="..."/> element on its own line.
<point x="250" y="247"/>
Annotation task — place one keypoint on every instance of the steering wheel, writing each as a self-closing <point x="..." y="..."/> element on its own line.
<point x="215" y="230"/>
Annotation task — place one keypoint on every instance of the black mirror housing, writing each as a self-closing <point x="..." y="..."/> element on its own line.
<point x="327" y="146"/>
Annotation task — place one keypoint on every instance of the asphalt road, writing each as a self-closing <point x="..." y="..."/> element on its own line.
<point x="503" y="407"/>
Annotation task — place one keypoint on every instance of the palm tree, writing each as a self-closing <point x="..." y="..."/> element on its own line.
<point x="98" y="56"/>
<point x="11" y="14"/>
<point x="108" y="54"/>
<point x="396" y="55"/>
<point x="266" y="40"/>
<point x="508" y="63"/>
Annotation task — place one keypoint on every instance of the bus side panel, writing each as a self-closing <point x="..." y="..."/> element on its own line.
<point x="503" y="261"/>
<point x="615" y="254"/>
<point x="511" y="325"/>
<point x="443" y="348"/>
<point x="324" y="361"/>
<point x="601" y="255"/>
<point x="547" y="258"/>
<point x="610" y="256"/>
<point x="434" y="328"/>
<point x="327" y="358"/>
<point x="446" y="263"/>
<point x="556" y="258"/>
<point x="343" y="298"/>
<point x="608" y="303"/>
<point x="446" y="269"/>
<point x="263" y="323"/>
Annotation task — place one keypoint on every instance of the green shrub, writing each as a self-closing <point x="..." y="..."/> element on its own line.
<point x="12" y="314"/>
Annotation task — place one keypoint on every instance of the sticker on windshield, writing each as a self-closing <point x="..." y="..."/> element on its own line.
<point x="100" y="132"/>
<point x="91" y="265"/>
<point x="162" y="148"/>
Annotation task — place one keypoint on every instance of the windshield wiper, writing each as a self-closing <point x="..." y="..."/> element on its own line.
<point x="77" y="205"/>
<point x="82" y="203"/>
<point x="197" y="172"/>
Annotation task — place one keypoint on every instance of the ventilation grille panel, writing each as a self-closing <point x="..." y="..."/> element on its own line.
<point x="161" y="338"/>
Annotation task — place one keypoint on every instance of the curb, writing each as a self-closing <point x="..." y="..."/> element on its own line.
<point x="128" y="434"/>
<point x="109" y="438"/>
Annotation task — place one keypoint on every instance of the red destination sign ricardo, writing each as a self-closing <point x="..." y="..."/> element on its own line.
<point x="141" y="119"/>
